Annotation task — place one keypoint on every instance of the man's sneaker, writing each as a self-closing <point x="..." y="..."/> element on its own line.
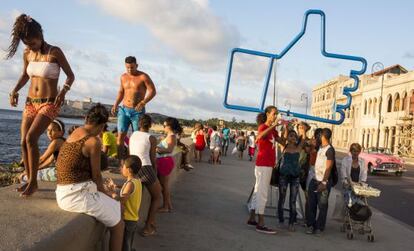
<point x="318" y="232"/>
<point x="265" y="230"/>
<point x="310" y="230"/>
<point x="252" y="223"/>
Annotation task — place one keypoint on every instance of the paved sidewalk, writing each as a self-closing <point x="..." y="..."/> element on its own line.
<point x="210" y="214"/>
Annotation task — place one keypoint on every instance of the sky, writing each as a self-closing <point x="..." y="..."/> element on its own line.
<point x="184" y="46"/>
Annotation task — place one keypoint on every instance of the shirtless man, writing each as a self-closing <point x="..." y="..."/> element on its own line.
<point x="136" y="90"/>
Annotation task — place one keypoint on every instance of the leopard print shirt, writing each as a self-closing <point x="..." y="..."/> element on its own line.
<point x="72" y="166"/>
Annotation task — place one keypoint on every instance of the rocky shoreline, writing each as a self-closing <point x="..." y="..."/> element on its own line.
<point x="9" y="174"/>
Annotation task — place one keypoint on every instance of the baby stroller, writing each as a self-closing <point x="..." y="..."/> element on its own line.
<point x="357" y="211"/>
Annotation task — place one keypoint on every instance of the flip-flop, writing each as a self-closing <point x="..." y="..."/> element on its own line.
<point x="148" y="233"/>
<point x="22" y="188"/>
<point x="164" y="210"/>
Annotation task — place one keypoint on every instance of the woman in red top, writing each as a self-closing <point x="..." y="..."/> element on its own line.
<point x="200" y="141"/>
<point x="265" y="162"/>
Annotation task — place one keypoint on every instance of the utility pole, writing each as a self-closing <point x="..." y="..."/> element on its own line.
<point x="378" y="66"/>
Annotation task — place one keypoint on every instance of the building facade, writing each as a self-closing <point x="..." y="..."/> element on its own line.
<point x="372" y="120"/>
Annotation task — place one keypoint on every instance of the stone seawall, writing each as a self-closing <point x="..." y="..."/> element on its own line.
<point x="37" y="223"/>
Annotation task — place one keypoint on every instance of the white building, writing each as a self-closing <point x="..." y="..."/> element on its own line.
<point x="364" y="120"/>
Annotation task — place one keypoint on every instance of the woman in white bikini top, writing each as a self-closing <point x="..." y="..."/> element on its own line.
<point x="42" y="63"/>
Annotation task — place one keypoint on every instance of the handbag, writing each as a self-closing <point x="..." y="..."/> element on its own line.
<point x="274" y="180"/>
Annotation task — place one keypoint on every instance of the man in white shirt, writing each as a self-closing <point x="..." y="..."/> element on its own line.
<point x="320" y="185"/>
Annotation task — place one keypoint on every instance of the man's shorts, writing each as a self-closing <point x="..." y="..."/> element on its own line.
<point x="128" y="116"/>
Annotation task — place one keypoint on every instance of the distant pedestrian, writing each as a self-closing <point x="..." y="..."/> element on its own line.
<point x="251" y="142"/>
<point x="241" y="143"/>
<point x="226" y="139"/>
<point x="215" y="146"/>
<point x="200" y="141"/>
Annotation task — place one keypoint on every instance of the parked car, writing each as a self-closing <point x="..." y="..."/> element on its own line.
<point x="382" y="160"/>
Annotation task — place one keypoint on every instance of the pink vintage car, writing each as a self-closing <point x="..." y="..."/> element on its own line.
<point x="382" y="160"/>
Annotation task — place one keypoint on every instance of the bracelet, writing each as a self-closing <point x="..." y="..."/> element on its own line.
<point x="13" y="94"/>
<point x="67" y="86"/>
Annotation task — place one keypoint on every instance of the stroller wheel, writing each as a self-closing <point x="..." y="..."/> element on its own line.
<point x="370" y="238"/>
<point x="350" y="235"/>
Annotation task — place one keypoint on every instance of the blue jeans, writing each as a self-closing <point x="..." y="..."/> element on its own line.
<point x="128" y="116"/>
<point x="317" y="200"/>
<point x="284" y="182"/>
<point x="129" y="232"/>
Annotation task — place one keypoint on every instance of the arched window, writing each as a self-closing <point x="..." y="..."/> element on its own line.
<point x="404" y="102"/>
<point x="397" y="102"/>
<point x="389" y="101"/>
<point x="374" y="106"/>
<point x="369" y="106"/>
<point x="365" y="107"/>
<point x="411" y="103"/>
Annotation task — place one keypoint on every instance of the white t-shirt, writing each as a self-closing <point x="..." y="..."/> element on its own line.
<point x="324" y="153"/>
<point x="140" y="145"/>
<point x="252" y="142"/>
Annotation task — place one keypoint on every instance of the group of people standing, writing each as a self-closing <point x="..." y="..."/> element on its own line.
<point x="217" y="140"/>
<point x="78" y="158"/>
<point x="304" y="162"/>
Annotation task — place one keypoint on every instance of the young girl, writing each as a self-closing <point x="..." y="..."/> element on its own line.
<point x="41" y="65"/>
<point x="289" y="176"/>
<point x="241" y="144"/>
<point x="165" y="161"/>
<point x="252" y="145"/>
<point x="47" y="170"/>
<point x="200" y="141"/>
<point x="215" y="146"/>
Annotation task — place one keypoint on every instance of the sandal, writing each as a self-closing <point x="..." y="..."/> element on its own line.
<point x="164" y="210"/>
<point x="146" y="233"/>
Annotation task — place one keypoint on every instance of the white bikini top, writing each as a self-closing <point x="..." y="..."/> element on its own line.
<point x="43" y="69"/>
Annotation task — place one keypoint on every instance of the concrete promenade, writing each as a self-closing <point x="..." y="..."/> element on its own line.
<point x="210" y="214"/>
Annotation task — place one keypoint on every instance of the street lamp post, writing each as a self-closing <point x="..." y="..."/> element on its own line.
<point x="304" y="96"/>
<point x="274" y="83"/>
<point x="378" y="66"/>
<point x="288" y="104"/>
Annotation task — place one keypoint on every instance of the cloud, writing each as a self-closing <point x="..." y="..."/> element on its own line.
<point x="409" y="55"/>
<point x="180" y="101"/>
<point x="187" y="27"/>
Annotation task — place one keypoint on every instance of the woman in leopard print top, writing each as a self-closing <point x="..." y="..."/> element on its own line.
<point x="80" y="186"/>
